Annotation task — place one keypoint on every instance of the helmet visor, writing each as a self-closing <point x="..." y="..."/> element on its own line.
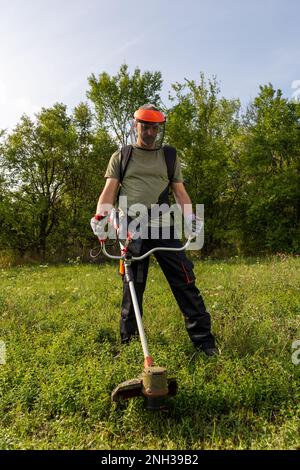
<point x="147" y="135"/>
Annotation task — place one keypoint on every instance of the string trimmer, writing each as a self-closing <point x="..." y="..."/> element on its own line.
<point x="153" y="384"/>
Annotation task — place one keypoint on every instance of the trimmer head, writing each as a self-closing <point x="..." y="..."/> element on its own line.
<point x="153" y="384"/>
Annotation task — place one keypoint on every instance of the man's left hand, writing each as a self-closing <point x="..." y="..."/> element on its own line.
<point x="194" y="224"/>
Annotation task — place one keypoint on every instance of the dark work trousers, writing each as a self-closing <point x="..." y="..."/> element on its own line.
<point x="178" y="270"/>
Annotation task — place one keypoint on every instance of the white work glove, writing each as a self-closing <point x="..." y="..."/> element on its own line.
<point x="193" y="224"/>
<point x="98" y="224"/>
<point x="113" y="218"/>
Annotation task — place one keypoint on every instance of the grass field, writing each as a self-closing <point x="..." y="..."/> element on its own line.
<point x="60" y="328"/>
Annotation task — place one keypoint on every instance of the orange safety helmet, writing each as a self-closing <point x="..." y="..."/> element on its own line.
<point x="149" y="115"/>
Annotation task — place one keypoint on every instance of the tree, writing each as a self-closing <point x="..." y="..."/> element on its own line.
<point x="117" y="97"/>
<point x="92" y="150"/>
<point x="203" y="127"/>
<point x="36" y="156"/>
<point x="53" y="171"/>
<point x="271" y="198"/>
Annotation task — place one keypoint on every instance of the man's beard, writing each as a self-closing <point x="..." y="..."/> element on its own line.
<point x="148" y="140"/>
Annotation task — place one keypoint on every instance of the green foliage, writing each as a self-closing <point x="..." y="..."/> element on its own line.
<point x="36" y="156"/>
<point x="85" y="179"/>
<point x="203" y="127"/>
<point x="60" y="326"/>
<point x="271" y="197"/>
<point x="54" y="170"/>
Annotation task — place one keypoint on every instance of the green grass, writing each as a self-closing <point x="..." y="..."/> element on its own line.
<point x="60" y="326"/>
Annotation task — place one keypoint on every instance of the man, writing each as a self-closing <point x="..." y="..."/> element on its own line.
<point x="146" y="181"/>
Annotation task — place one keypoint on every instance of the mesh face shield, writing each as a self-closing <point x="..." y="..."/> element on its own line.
<point x="148" y="129"/>
<point x="147" y="135"/>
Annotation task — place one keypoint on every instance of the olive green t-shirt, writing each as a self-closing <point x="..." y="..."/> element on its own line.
<point x="145" y="178"/>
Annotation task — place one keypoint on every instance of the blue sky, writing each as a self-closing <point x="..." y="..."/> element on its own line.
<point x="48" y="48"/>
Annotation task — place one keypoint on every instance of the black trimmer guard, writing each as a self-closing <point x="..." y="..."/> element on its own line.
<point x="153" y="385"/>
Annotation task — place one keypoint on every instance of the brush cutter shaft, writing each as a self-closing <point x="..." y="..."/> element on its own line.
<point x="139" y="320"/>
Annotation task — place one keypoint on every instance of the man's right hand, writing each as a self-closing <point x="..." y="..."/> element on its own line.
<point x="98" y="224"/>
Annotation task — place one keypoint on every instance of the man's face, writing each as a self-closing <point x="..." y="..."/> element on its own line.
<point x="147" y="134"/>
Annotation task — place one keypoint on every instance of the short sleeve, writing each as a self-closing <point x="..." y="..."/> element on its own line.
<point x="113" y="167"/>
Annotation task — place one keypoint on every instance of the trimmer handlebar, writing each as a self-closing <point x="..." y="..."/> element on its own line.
<point x="148" y="253"/>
